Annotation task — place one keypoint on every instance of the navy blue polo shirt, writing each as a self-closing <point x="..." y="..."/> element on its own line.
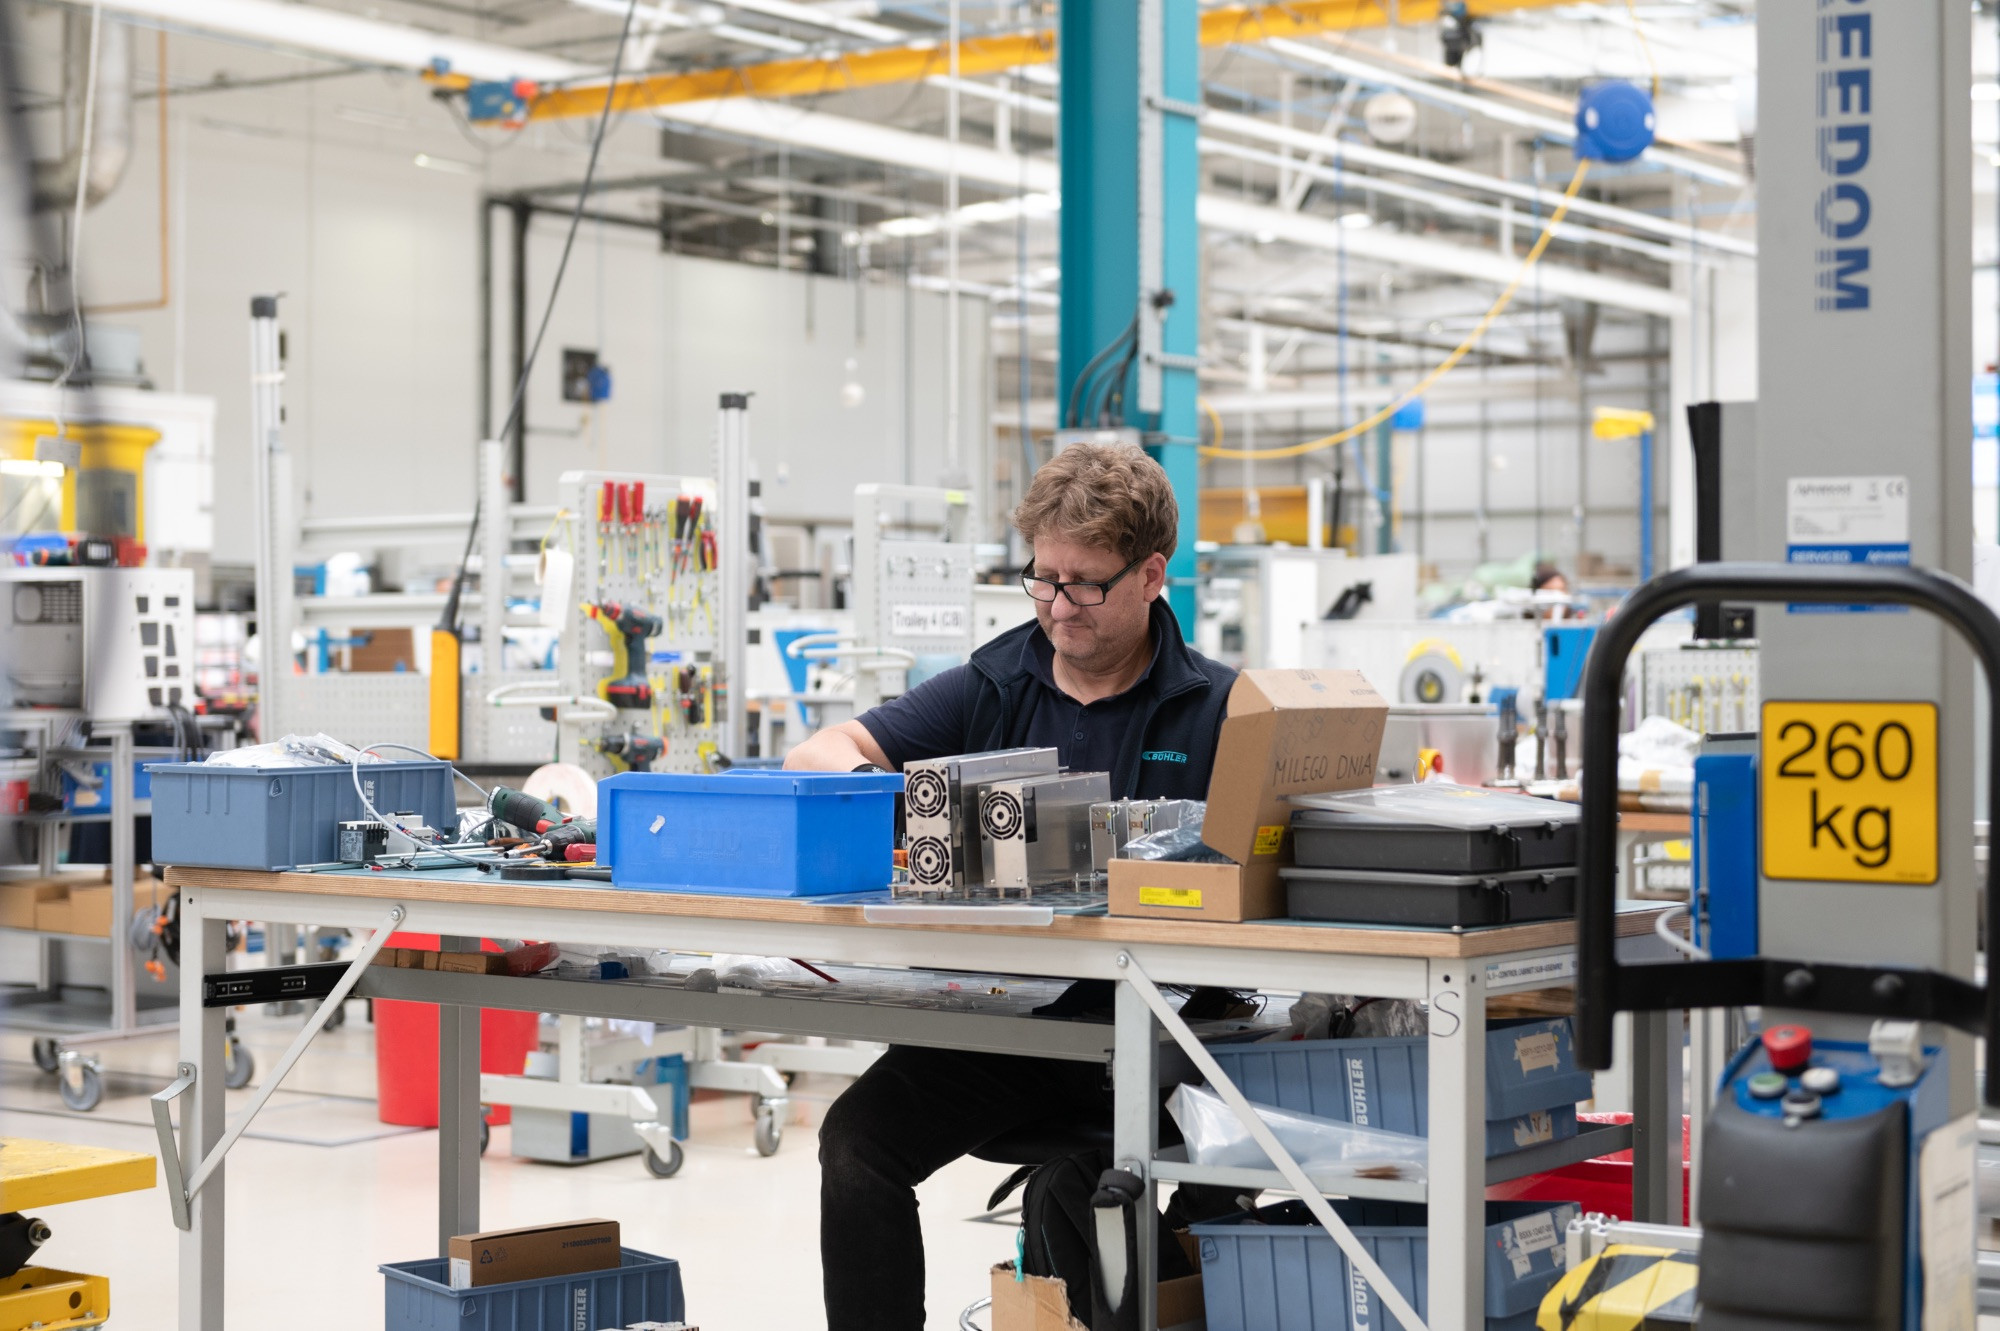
<point x="1157" y="738"/>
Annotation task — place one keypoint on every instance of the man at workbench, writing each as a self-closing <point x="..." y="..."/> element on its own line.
<point x="1104" y="676"/>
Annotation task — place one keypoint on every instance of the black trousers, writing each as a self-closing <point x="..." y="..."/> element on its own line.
<point x="912" y="1113"/>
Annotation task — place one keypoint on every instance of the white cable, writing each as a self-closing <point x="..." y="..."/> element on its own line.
<point x="76" y="220"/>
<point x="368" y="805"/>
<point x="1663" y="926"/>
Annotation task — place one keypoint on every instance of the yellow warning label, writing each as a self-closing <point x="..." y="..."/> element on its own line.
<point x="1850" y="791"/>
<point x="1186" y="898"/>
<point x="1268" y="840"/>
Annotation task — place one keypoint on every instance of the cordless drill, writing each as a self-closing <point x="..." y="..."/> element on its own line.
<point x="628" y="686"/>
<point x="632" y="751"/>
<point x="533" y="816"/>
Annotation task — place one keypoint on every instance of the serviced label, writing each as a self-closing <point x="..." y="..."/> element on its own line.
<point x="1182" y="898"/>
<point x="1269" y="839"/>
<point x="1850" y="792"/>
<point x="1847" y="520"/>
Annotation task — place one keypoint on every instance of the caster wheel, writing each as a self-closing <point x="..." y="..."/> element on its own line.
<point x="238" y="1067"/>
<point x="770" y="1127"/>
<point x="668" y="1167"/>
<point x="83" y="1088"/>
<point x="48" y="1057"/>
<point x="485" y="1134"/>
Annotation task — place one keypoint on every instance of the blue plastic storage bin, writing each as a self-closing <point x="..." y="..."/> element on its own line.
<point x="282" y="817"/>
<point x="749" y="834"/>
<point x="1532" y="1081"/>
<point x="643" y="1288"/>
<point x="1275" y="1269"/>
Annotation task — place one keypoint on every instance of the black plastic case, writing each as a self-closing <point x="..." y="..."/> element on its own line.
<point x="1430" y="900"/>
<point x="1345" y="841"/>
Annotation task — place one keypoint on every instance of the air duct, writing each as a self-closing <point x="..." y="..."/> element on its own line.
<point x="110" y="124"/>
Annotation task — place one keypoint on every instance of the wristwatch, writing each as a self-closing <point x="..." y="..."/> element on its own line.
<point x="870" y="767"/>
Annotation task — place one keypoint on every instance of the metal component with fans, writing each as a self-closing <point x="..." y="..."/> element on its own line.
<point x="1035" y="832"/>
<point x="941" y="803"/>
<point x="930" y="863"/>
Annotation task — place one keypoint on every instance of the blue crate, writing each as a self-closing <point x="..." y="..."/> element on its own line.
<point x="282" y="817"/>
<point x="643" y="1288"/>
<point x="749" y="834"/>
<point x="1275" y="1269"/>
<point x="1532" y="1081"/>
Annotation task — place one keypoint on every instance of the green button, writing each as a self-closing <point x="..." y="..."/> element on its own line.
<point x="1767" y="1086"/>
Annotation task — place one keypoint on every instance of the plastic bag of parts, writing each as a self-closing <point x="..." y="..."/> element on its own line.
<point x="1442" y="803"/>
<point x="1324" y="1146"/>
<point x="1350" y="1017"/>
<point x="294" y="751"/>
<point x="1175" y="843"/>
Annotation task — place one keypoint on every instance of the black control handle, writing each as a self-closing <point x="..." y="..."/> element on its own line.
<point x="1604" y="987"/>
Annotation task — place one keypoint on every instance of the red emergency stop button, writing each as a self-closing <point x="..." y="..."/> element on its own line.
<point x="1789" y="1048"/>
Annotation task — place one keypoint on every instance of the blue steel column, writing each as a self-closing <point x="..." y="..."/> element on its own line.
<point x="1100" y="231"/>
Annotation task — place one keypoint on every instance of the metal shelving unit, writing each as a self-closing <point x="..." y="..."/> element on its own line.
<point x="71" y="1020"/>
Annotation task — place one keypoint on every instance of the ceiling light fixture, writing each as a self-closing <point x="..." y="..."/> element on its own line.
<point x="445" y="164"/>
<point x="1356" y="221"/>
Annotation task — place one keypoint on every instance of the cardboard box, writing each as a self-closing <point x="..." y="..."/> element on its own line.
<point x="19" y="901"/>
<point x="90" y="911"/>
<point x="52" y="913"/>
<point x="472" y="963"/>
<point x="1040" y="1303"/>
<point x="1288" y="732"/>
<point x="499" y="1256"/>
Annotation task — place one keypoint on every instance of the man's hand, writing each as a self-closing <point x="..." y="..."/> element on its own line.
<point x="840" y="748"/>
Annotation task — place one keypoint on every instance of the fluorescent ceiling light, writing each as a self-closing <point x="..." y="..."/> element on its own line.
<point x="30" y="467"/>
<point x="445" y="164"/>
<point x="1356" y="221"/>
<point x="361" y="115"/>
<point x="1986" y="92"/>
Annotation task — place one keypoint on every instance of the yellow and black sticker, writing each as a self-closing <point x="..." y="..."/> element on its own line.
<point x="1624" y="1288"/>
<point x="1850" y="792"/>
<point x="1182" y="898"/>
<point x="1269" y="840"/>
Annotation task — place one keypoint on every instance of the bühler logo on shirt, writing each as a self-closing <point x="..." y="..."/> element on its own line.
<point x="1162" y="756"/>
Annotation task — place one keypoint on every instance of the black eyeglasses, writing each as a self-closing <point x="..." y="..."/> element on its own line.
<point x="1079" y="593"/>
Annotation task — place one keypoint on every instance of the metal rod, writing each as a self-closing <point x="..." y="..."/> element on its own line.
<point x="1308" y="1191"/>
<point x="517" y="443"/>
<point x="328" y="1006"/>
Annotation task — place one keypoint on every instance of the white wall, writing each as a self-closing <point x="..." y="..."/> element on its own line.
<point x="311" y="189"/>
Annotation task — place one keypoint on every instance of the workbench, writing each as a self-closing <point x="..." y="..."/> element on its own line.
<point x="1454" y="972"/>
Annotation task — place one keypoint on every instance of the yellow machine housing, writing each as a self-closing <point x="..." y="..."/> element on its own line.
<point x="105" y="495"/>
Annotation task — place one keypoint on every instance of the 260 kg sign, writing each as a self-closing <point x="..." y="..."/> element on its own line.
<point x="1850" y="791"/>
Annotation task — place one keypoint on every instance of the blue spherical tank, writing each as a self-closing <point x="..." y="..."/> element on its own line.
<point x="1614" y="121"/>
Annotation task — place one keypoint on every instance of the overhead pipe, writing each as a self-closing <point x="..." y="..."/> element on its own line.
<point x="111" y="121"/>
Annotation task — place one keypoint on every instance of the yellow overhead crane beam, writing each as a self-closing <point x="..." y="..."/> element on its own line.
<point x="809" y="76"/>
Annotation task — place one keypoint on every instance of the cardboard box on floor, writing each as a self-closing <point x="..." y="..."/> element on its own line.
<point x="1041" y="1303"/>
<point x="1288" y="732"/>
<point x="500" y="1256"/>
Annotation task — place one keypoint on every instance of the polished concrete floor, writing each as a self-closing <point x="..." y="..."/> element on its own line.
<point x="321" y="1194"/>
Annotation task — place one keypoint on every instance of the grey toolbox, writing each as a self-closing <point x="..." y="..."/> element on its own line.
<point x="1429" y="900"/>
<point x="941" y="813"/>
<point x="1433" y="827"/>
<point x="1035" y="831"/>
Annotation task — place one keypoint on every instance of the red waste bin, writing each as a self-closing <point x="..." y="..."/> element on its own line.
<point x="406" y="1049"/>
<point x="1601" y="1184"/>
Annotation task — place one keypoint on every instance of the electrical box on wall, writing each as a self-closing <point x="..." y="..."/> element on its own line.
<point x="117" y="643"/>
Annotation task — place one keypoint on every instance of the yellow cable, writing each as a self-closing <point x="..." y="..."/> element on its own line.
<point x="1446" y="366"/>
<point x="1639" y="30"/>
<point x="1214" y="419"/>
